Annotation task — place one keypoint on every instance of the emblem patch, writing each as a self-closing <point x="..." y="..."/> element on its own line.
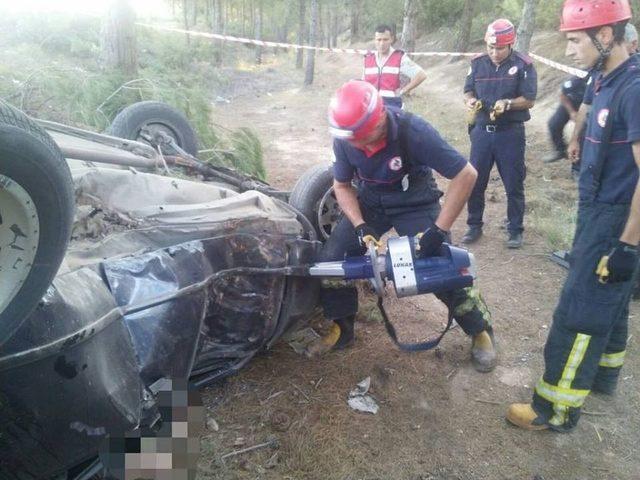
<point x="513" y="70"/>
<point x="567" y="84"/>
<point x="602" y="117"/>
<point x="395" y="164"/>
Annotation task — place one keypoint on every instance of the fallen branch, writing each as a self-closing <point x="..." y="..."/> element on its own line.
<point x="595" y="414"/>
<point x="301" y="391"/>
<point x="490" y="402"/>
<point x="270" y="443"/>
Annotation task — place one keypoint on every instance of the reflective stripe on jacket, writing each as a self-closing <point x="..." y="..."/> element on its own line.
<point x="386" y="78"/>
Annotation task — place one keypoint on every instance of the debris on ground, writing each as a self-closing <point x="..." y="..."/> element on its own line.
<point x="301" y="340"/>
<point x="360" y="400"/>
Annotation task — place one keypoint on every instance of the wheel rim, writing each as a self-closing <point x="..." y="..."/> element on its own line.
<point x="154" y="128"/>
<point x="328" y="213"/>
<point x="19" y="236"/>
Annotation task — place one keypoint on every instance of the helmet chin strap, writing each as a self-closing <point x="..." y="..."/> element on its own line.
<point x="604" y="52"/>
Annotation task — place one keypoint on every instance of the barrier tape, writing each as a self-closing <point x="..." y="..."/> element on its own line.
<point x="570" y="70"/>
<point x="264" y="43"/>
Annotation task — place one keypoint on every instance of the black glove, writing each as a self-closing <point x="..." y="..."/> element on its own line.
<point x="623" y="260"/>
<point x="431" y="241"/>
<point x="363" y="230"/>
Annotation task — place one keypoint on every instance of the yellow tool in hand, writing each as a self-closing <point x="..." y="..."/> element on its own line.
<point x="602" y="271"/>
<point x="473" y="112"/>
<point x="367" y="239"/>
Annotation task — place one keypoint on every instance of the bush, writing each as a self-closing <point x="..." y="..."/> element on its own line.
<point x="51" y="69"/>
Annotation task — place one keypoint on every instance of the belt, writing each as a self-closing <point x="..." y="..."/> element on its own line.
<point x="500" y="128"/>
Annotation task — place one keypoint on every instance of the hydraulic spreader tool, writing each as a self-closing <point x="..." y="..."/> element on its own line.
<point x="452" y="269"/>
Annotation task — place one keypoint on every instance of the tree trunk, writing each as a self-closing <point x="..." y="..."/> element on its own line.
<point x="335" y="28"/>
<point x="527" y="26"/>
<point x="185" y="19"/>
<point x="258" y="31"/>
<point x="194" y="12"/>
<point x="311" y="54"/>
<point x="462" y="43"/>
<point x="118" y="39"/>
<point x="220" y="16"/>
<point x="242" y="19"/>
<point x="356" y="7"/>
<point x="302" y="30"/>
<point x="320" y="26"/>
<point x="408" y="43"/>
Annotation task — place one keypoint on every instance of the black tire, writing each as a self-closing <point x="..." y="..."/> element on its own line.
<point x="313" y="196"/>
<point x="154" y="115"/>
<point x="30" y="163"/>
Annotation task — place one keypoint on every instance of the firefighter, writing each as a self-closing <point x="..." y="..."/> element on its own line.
<point x="587" y="341"/>
<point x="383" y="68"/>
<point x="571" y="96"/>
<point x="501" y="86"/>
<point x="391" y="154"/>
<point x="575" y="144"/>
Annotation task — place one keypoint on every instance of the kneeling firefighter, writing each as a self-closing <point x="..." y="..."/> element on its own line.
<point x="391" y="154"/>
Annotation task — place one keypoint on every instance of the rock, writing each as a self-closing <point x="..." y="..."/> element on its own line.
<point x="212" y="425"/>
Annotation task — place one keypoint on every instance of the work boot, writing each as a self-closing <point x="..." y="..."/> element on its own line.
<point x="472" y="235"/>
<point x="340" y="336"/>
<point x="524" y="416"/>
<point x="553" y="157"/>
<point x="514" y="240"/>
<point x="483" y="352"/>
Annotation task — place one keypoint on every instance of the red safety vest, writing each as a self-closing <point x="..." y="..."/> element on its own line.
<point x="387" y="78"/>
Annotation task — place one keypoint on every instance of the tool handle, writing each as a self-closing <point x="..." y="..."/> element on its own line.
<point x="602" y="271"/>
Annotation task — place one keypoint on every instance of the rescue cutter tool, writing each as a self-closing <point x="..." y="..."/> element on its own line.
<point x="452" y="269"/>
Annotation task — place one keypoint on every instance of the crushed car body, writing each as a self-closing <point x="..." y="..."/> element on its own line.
<point x="165" y="278"/>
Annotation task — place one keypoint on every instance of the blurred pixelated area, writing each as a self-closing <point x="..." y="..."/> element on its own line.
<point x="168" y="447"/>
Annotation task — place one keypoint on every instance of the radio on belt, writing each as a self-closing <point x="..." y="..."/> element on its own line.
<point x="452" y="269"/>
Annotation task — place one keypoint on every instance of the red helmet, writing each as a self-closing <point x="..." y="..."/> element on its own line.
<point x="500" y="33"/>
<point x="355" y="110"/>
<point x="585" y="14"/>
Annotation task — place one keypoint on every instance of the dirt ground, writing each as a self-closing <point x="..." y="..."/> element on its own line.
<point x="438" y="418"/>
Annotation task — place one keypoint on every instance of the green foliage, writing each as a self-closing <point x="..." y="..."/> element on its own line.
<point x="50" y="68"/>
<point x="247" y="153"/>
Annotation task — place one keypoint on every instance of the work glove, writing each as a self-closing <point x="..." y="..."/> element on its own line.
<point x="365" y="235"/>
<point x="619" y="265"/>
<point x="431" y="240"/>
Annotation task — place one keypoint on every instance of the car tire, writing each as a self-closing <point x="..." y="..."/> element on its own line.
<point x="155" y="116"/>
<point x="36" y="215"/>
<point x="314" y="197"/>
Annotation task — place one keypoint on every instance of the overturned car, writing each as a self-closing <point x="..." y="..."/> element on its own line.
<point x="164" y="278"/>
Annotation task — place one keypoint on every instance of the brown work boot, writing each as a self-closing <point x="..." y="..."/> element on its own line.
<point x="340" y="336"/>
<point x="524" y="416"/>
<point x="483" y="352"/>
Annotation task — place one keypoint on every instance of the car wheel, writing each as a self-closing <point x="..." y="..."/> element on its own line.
<point x="150" y="118"/>
<point x="313" y="195"/>
<point x="36" y="215"/>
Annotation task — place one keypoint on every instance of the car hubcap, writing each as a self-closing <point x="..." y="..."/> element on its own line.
<point x="19" y="235"/>
<point x="328" y="213"/>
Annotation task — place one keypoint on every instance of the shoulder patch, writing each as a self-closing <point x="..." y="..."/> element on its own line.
<point x="525" y="58"/>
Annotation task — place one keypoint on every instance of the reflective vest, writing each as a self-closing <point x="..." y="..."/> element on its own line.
<point x="386" y="78"/>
